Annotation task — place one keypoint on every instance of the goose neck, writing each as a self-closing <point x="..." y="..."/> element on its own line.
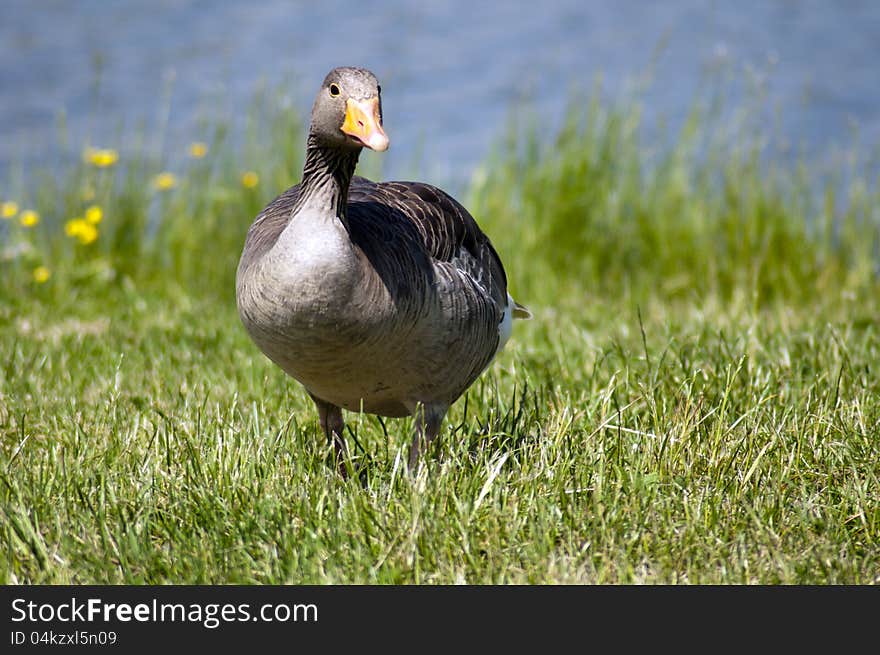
<point x="327" y="174"/>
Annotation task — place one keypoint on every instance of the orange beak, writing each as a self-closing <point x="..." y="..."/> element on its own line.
<point x="364" y="123"/>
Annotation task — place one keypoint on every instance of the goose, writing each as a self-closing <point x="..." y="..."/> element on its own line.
<point x="384" y="298"/>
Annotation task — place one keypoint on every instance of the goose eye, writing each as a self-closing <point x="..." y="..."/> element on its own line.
<point x="334" y="90"/>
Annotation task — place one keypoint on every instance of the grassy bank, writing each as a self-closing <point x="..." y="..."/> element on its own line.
<point x="696" y="400"/>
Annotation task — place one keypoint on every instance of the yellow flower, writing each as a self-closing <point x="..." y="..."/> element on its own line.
<point x="41" y="274"/>
<point x="8" y="209"/>
<point x="164" y="181"/>
<point x="101" y="157"/>
<point x="197" y="149"/>
<point x="88" y="234"/>
<point x="249" y="180"/>
<point x="29" y="218"/>
<point x="72" y="227"/>
<point x="82" y="230"/>
<point x="94" y="215"/>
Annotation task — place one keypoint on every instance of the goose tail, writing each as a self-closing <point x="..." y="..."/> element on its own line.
<point x="521" y="311"/>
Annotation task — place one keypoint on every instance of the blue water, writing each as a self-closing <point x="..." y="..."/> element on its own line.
<point x="450" y="71"/>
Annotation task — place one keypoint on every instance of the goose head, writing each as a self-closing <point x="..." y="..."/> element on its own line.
<point x="348" y="111"/>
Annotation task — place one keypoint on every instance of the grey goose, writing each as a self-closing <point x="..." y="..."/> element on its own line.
<point x="384" y="297"/>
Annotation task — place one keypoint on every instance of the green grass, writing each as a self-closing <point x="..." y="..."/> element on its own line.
<point x="696" y="401"/>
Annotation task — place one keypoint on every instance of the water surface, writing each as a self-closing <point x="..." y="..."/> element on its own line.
<point x="450" y="71"/>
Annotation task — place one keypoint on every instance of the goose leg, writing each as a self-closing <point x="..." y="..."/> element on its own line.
<point x="428" y="420"/>
<point x="333" y="426"/>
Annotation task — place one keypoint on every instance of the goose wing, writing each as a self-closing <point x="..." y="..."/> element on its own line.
<point x="427" y="229"/>
<point x="267" y="227"/>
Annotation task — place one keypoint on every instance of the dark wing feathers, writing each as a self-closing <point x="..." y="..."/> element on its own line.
<point x="446" y="230"/>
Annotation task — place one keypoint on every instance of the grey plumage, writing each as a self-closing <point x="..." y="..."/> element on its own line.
<point x="381" y="297"/>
